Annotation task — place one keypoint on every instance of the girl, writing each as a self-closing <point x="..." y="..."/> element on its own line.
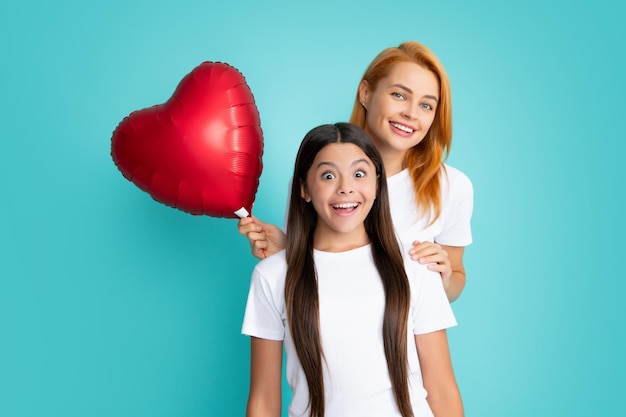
<point x="404" y="102"/>
<point x="362" y="335"/>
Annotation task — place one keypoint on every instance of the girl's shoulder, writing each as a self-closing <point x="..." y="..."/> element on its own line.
<point x="273" y="268"/>
<point x="430" y="305"/>
<point x="419" y="274"/>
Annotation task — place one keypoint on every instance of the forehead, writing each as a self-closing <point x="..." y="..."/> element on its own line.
<point x="340" y="154"/>
<point x="413" y="76"/>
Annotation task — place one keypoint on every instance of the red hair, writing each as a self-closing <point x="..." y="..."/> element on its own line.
<point x="425" y="160"/>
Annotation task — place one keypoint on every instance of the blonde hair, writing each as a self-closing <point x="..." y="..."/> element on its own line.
<point x="425" y="160"/>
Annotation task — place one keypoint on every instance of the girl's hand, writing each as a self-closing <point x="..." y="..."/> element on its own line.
<point x="265" y="239"/>
<point x="435" y="257"/>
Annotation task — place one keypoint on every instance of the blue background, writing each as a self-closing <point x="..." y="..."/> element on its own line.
<point x="112" y="304"/>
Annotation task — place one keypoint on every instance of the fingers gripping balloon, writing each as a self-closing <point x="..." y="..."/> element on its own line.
<point x="200" y="151"/>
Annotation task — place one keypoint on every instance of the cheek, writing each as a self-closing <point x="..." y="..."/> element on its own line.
<point x="318" y="195"/>
<point x="427" y="120"/>
<point x="375" y="124"/>
<point x="371" y="190"/>
<point x="377" y="108"/>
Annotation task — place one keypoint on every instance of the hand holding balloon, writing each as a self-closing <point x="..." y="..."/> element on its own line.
<point x="200" y="151"/>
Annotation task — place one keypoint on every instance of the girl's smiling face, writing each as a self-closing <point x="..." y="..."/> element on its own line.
<point x="400" y="110"/>
<point x="342" y="185"/>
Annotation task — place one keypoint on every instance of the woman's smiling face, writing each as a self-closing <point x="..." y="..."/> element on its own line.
<point x="401" y="109"/>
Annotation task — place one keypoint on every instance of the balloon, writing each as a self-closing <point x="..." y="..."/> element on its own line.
<point x="200" y="151"/>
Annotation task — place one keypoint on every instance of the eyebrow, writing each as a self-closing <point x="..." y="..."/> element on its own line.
<point x="408" y="90"/>
<point x="358" y="161"/>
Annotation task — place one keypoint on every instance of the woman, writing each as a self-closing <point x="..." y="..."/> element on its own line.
<point x="404" y="103"/>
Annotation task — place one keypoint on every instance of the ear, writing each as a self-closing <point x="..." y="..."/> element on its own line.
<point x="304" y="193"/>
<point x="364" y="91"/>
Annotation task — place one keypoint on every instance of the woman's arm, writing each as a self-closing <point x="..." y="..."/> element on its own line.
<point x="443" y="395"/>
<point x="447" y="260"/>
<point x="266" y="361"/>
<point x="456" y="282"/>
<point x="265" y="239"/>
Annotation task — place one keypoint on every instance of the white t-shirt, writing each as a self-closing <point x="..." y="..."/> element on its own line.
<point x="452" y="228"/>
<point x="352" y="304"/>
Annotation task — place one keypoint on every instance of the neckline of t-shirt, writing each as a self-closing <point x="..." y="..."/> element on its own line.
<point x="399" y="176"/>
<point x="348" y="253"/>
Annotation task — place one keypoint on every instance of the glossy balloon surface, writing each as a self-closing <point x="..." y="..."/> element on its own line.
<point x="200" y="151"/>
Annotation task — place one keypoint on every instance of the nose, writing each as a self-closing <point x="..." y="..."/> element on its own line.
<point x="345" y="187"/>
<point x="410" y="111"/>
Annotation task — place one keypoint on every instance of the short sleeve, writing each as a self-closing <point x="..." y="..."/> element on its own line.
<point x="431" y="310"/>
<point x="457" y="208"/>
<point x="263" y="316"/>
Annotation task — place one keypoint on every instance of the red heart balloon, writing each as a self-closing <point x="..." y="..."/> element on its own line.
<point x="200" y="151"/>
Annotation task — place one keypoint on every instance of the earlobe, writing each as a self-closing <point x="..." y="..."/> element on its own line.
<point x="304" y="194"/>
<point x="363" y="93"/>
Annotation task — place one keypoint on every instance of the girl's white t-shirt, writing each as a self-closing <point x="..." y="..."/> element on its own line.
<point x="352" y="304"/>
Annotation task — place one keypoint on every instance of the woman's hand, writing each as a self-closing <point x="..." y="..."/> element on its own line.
<point x="447" y="260"/>
<point x="265" y="239"/>
<point x="433" y="255"/>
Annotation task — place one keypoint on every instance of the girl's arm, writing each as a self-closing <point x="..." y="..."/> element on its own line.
<point x="266" y="361"/>
<point x="265" y="239"/>
<point x="447" y="260"/>
<point x="443" y="397"/>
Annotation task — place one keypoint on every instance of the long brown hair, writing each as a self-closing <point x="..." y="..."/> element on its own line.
<point x="301" y="291"/>
<point x="424" y="160"/>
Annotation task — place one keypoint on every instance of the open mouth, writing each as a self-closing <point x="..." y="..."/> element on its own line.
<point x="345" y="207"/>
<point x="402" y="127"/>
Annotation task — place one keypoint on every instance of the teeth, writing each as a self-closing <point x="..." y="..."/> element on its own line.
<point x="345" y="205"/>
<point x="402" y="127"/>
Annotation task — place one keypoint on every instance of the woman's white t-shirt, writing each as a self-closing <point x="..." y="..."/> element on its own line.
<point x="452" y="227"/>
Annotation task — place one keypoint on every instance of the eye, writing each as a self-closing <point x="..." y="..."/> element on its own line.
<point x="426" y="106"/>
<point x="328" y="175"/>
<point x="360" y="174"/>
<point x="399" y="96"/>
